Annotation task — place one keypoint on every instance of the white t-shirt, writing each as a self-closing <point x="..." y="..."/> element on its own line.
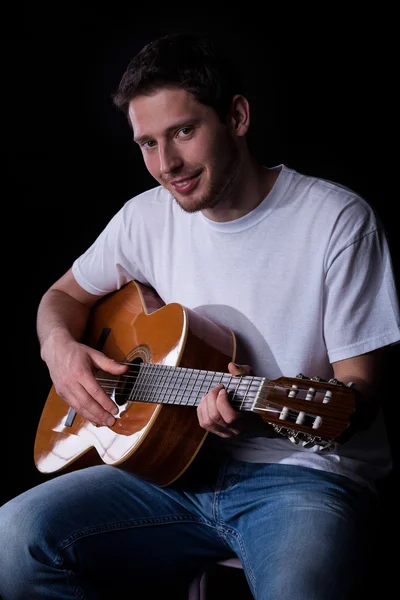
<point x="303" y="280"/>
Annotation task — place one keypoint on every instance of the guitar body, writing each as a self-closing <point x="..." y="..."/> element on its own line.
<point x="157" y="442"/>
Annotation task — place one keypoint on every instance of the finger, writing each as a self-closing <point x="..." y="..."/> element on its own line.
<point x="228" y="414"/>
<point x="83" y="391"/>
<point x="207" y="412"/>
<point x="217" y="428"/>
<point x="85" y="405"/>
<point x="210" y="417"/>
<point x="207" y="409"/>
<point x="96" y="391"/>
<point x="90" y="400"/>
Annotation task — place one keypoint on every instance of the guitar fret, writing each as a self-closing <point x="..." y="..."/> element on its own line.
<point x="169" y="390"/>
<point x="236" y="390"/>
<point x="185" y="386"/>
<point x="184" y="377"/>
<point x="172" y="389"/>
<point x="160" y="394"/>
<point x="192" y="395"/>
<point x="184" y="392"/>
<point x="148" y="389"/>
<point x="246" y="393"/>
<point x="209" y="385"/>
<point x="137" y="389"/>
<point x="141" y="388"/>
<point x="186" y="398"/>
<point x="134" y="393"/>
<point x="201" y="390"/>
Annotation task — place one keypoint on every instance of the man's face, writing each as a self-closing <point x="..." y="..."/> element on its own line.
<point x="185" y="147"/>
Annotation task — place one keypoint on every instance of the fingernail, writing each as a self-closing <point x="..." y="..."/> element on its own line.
<point x="110" y="421"/>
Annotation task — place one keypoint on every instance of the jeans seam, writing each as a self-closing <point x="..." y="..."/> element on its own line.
<point x="76" y="589"/>
<point x="229" y="531"/>
<point x="145" y="522"/>
<point x="220" y="488"/>
<point x="224" y="530"/>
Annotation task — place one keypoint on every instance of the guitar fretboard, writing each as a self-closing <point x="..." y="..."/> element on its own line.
<point x="178" y="385"/>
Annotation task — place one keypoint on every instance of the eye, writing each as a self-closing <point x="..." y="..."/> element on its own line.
<point x="148" y="144"/>
<point x="185" y="131"/>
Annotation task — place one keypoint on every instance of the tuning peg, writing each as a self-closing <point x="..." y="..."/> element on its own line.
<point x="335" y="381"/>
<point x="308" y="443"/>
<point x="301" y="376"/>
<point x="317" y="378"/>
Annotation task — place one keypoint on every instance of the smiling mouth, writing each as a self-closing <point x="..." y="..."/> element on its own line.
<point x="186" y="185"/>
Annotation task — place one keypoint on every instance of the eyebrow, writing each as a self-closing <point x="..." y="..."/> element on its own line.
<point x="179" y="125"/>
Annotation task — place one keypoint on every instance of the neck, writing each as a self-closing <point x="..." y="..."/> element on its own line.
<point x="249" y="186"/>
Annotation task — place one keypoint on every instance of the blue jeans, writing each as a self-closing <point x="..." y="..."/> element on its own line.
<point x="102" y="533"/>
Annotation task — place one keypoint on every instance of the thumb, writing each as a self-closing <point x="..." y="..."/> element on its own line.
<point x="107" y="364"/>
<point x="239" y="370"/>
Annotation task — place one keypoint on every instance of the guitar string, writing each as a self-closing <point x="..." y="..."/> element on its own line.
<point x="181" y="375"/>
<point x="148" y="369"/>
<point x="174" y="386"/>
<point x="184" y="375"/>
<point x="240" y="402"/>
<point x="251" y="383"/>
<point x="171" y="389"/>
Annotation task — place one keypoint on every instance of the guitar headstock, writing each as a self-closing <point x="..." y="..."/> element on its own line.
<point x="311" y="410"/>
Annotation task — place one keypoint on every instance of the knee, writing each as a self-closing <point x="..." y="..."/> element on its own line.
<point x="22" y="523"/>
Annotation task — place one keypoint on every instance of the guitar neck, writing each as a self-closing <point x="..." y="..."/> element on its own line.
<point x="312" y="407"/>
<point x="160" y="384"/>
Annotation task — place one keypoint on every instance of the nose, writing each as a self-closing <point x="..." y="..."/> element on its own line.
<point x="170" y="159"/>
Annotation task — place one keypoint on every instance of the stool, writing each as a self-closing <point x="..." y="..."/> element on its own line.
<point x="198" y="587"/>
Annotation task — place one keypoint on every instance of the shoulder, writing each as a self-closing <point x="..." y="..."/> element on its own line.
<point x="155" y="206"/>
<point x="157" y="197"/>
<point x="332" y="201"/>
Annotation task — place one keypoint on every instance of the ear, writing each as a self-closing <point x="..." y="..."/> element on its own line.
<point x="239" y="116"/>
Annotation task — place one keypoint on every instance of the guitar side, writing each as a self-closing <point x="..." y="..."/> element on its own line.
<point x="156" y="442"/>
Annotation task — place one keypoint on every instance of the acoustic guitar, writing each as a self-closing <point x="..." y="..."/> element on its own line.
<point x="175" y="357"/>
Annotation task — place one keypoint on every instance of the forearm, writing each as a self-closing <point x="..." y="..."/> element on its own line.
<point x="366" y="373"/>
<point x="59" y="318"/>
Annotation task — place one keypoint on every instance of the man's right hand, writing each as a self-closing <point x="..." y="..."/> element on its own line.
<point x="72" y="366"/>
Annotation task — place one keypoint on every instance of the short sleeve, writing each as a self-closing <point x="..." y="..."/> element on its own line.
<point x="361" y="308"/>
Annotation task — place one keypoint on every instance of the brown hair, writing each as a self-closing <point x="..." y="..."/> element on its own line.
<point x="194" y="63"/>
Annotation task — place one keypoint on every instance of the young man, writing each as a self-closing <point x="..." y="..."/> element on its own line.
<point x="299" y="269"/>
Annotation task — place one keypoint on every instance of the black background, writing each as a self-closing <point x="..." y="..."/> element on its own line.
<point x="322" y="92"/>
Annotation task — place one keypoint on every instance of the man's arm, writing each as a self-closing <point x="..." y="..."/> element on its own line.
<point x="366" y="372"/>
<point x="62" y="317"/>
<point x="63" y="311"/>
